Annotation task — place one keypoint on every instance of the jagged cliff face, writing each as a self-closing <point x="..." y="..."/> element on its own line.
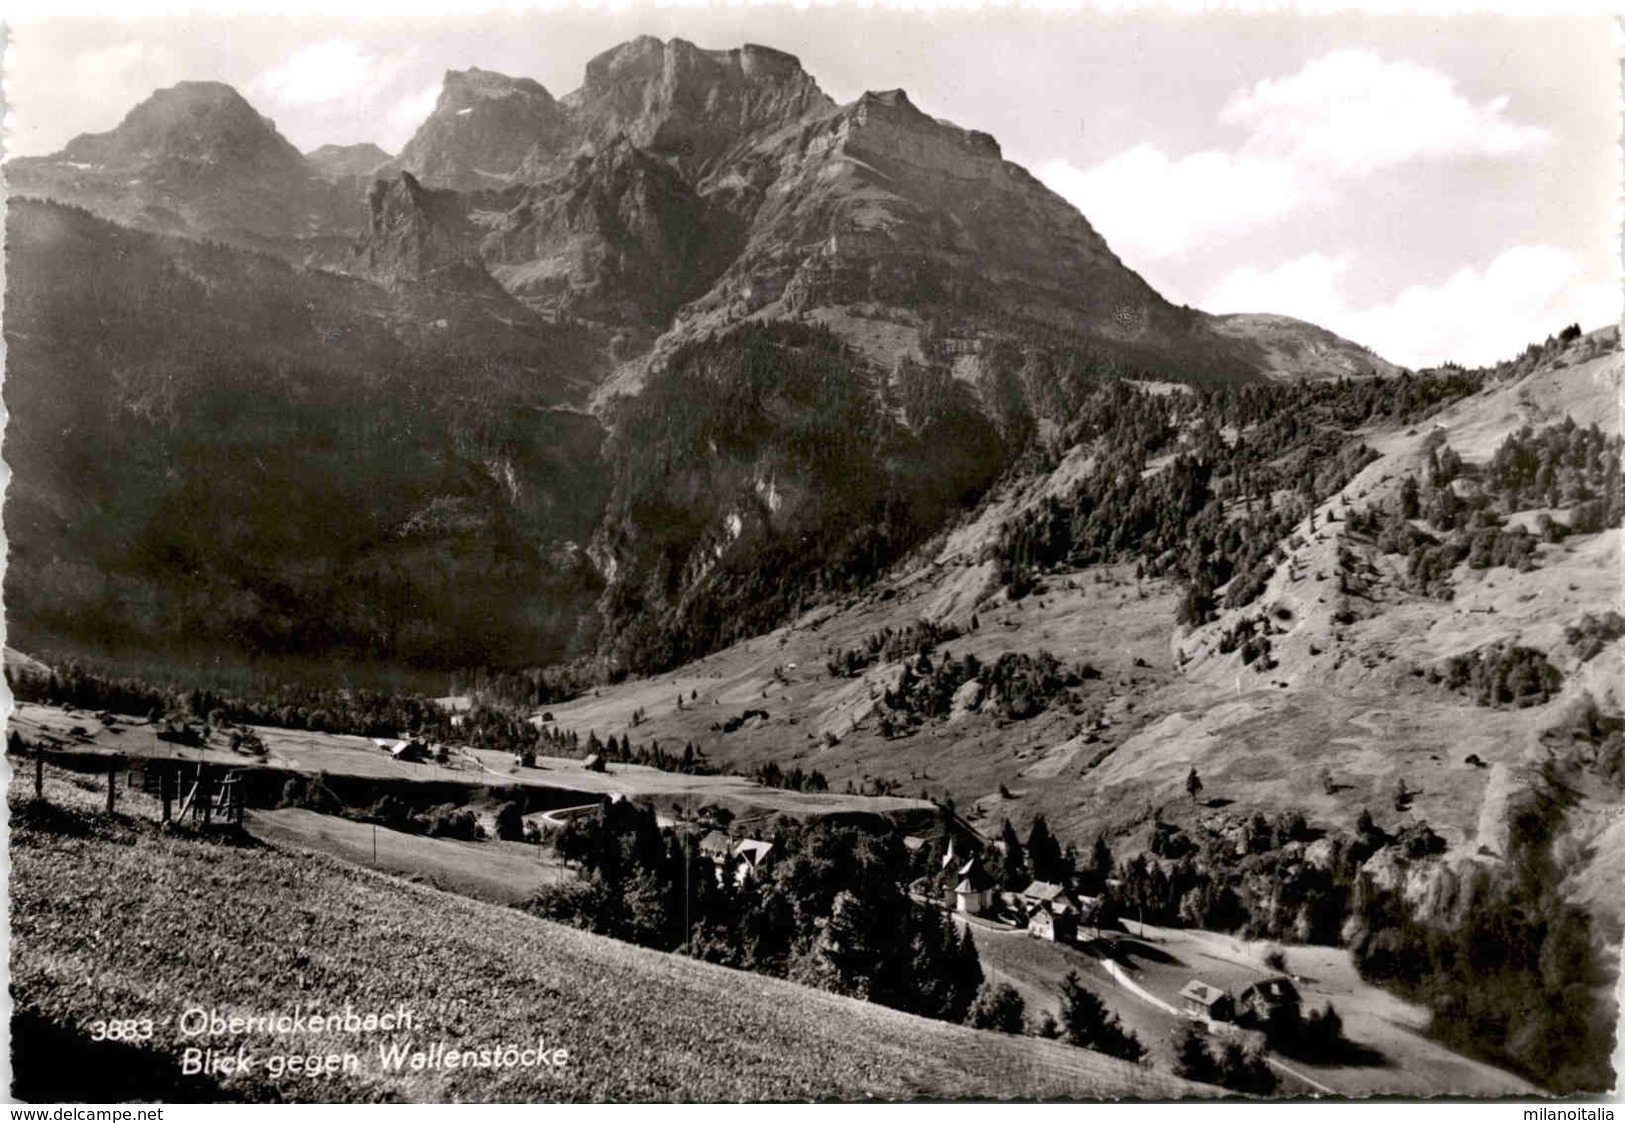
<point x="692" y="106"/>
<point x="619" y="238"/>
<point x="412" y="235"/>
<point x="882" y="204"/>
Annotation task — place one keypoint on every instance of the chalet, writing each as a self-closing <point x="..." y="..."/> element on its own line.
<point x="1057" y="922"/>
<point x="974" y="892"/>
<point x="718" y="847"/>
<point x="751" y="857"/>
<point x="1046" y="893"/>
<point x="1205" y="1001"/>
<point x="593" y="763"/>
<point x="1051" y="911"/>
<point x="412" y="750"/>
<point x="913" y="843"/>
<point x="1268" y="1000"/>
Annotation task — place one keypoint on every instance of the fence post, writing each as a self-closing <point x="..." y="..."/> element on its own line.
<point x="112" y="784"/>
<point x="166" y="789"/>
<point x="39" y="771"/>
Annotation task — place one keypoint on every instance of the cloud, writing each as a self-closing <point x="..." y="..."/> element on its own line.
<point x="328" y="73"/>
<point x="1146" y="203"/>
<point x="403" y="120"/>
<point x="1343" y="115"/>
<point x="1476" y="317"/>
<point x="112" y="67"/>
<point x="1353" y="112"/>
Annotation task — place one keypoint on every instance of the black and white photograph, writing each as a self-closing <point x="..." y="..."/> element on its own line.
<point x="825" y="553"/>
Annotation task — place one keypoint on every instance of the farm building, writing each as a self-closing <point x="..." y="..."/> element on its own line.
<point x="412" y="750"/>
<point x="1056" y="922"/>
<point x="1046" y="893"/>
<point x="1270" y="999"/>
<point x="1205" y="1001"/>
<point x="1051" y="911"/>
<point x="974" y="892"/>
<point x="717" y="846"/>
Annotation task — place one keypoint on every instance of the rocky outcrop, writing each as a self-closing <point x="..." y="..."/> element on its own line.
<point x="415" y="235"/>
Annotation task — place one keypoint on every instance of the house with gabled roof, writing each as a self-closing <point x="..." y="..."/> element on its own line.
<point x="409" y="750"/>
<point x="751" y="857"/>
<point x="1057" y="924"/>
<point x="1270" y="999"/>
<point x="1047" y="893"/>
<point x="1205" y="1001"/>
<point x="717" y="846"/>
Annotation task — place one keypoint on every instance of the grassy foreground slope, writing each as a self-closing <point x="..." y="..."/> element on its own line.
<point x="111" y="918"/>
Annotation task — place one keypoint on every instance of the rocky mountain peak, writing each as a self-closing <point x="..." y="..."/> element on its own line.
<point x="207" y="123"/>
<point x="690" y="104"/>
<point x="463" y="88"/>
<point x="485" y="128"/>
<point x="196" y="157"/>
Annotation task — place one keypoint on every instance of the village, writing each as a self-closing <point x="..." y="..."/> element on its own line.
<point x="500" y="838"/>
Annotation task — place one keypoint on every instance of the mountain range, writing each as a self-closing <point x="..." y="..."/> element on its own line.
<point x="703" y="274"/>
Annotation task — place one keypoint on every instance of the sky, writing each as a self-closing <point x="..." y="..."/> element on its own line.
<point x="1435" y="187"/>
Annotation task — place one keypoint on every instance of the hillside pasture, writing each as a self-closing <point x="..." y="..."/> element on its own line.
<point x="158" y="923"/>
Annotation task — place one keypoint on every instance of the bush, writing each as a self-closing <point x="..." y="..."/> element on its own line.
<point x="998" y="1007"/>
<point x="1191" y="1058"/>
<point x="450" y="821"/>
<point x="510" y="822"/>
<point x="1503" y="674"/>
<point x="1593" y="633"/>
